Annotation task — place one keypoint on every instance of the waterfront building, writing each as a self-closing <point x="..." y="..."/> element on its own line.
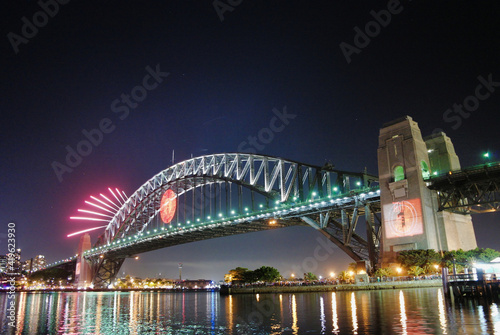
<point x="34" y="264"/>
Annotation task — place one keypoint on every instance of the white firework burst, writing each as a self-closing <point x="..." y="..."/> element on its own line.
<point x="106" y="208"/>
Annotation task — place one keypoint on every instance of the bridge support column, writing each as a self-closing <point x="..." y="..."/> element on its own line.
<point x="83" y="273"/>
<point x="409" y="208"/>
<point x="457" y="228"/>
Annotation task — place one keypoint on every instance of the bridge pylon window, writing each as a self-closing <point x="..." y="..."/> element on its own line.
<point x="399" y="173"/>
<point x="426" y="173"/>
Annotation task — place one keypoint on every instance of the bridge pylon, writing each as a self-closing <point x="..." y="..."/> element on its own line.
<point x="409" y="208"/>
<point x="83" y="272"/>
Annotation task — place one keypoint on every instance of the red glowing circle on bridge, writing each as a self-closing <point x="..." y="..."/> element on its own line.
<point x="168" y="206"/>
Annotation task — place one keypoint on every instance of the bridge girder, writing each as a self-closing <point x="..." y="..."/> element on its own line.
<point x="104" y="270"/>
<point x="475" y="190"/>
<point x="339" y="224"/>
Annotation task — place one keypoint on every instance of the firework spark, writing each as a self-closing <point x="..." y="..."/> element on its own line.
<point x="106" y="212"/>
<point x="84" y="231"/>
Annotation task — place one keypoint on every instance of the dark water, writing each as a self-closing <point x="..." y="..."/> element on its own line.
<point x="408" y="311"/>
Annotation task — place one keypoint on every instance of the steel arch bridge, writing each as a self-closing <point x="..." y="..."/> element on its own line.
<point x="233" y="193"/>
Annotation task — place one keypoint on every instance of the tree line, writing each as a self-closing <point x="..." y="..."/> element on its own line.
<point x="430" y="261"/>
<point x="264" y="273"/>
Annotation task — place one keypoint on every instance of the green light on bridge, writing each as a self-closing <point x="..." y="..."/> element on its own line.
<point x="486" y="154"/>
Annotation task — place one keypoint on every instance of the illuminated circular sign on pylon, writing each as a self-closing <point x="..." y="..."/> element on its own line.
<point x="168" y="206"/>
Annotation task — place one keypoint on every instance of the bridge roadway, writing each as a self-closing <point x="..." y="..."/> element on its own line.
<point x="474" y="189"/>
<point x="280" y="217"/>
<point x="334" y="217"/>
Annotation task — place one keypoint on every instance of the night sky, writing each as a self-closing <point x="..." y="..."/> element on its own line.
<point x="224" y="79"/>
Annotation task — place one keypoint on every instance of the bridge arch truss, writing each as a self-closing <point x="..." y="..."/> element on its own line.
<point x="225" y="194"/>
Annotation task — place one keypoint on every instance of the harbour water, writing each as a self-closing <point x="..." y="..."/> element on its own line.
<point x="405" y="311"/>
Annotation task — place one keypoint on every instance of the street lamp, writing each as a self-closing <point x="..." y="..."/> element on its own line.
<point x="398" y="270"/>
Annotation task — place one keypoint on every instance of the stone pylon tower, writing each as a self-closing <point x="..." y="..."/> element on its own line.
<point x="409" y="208"/>
<point x="83" y="274"/>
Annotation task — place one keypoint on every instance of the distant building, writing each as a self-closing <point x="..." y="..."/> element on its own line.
<point x="200" y="284"/>
<point x="17" y="268"/>
<point x="11" y="263"/>
<point x="34" y="264"/>
<point x="3" y="263"/>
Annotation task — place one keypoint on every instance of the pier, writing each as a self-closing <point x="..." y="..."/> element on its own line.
<point x="479" y="284"/>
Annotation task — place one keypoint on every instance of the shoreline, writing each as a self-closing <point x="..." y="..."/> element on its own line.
<point x="52" y="290"/>
<point x="224" y="290"/>
<point x="333" y="288"/>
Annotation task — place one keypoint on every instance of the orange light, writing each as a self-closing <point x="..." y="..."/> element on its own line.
<point x="168" y="206"/>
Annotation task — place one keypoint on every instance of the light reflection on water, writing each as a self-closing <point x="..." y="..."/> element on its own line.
<point x="402" y="311"/>
<point x="354" y="314"/>
<point x="335" y="318"/>
<point x="408" y="311"/>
